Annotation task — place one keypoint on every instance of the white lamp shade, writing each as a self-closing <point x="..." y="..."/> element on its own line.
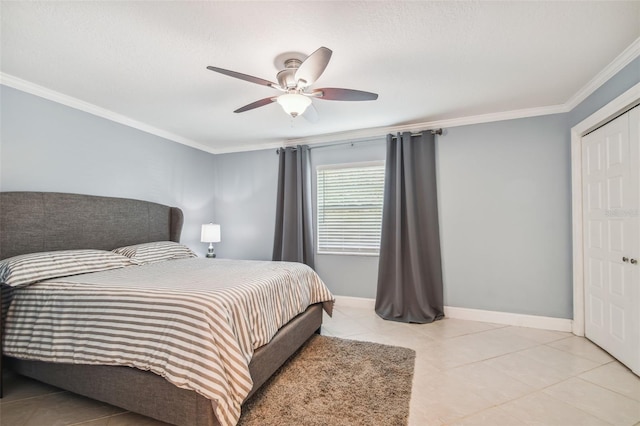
<point x="210" y="233"/>
<point x="293" y="103"/>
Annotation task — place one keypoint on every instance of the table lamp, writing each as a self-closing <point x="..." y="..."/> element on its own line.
<point x="210" y="234"/>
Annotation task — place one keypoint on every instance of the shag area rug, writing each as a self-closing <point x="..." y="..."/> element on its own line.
<point x="332" y="381"/>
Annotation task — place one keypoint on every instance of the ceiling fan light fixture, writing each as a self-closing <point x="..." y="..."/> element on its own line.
<point x="294" y="104"/>
<point x="294" y="80"/>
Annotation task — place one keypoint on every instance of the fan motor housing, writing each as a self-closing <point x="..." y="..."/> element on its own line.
<point x="286" y="77"/>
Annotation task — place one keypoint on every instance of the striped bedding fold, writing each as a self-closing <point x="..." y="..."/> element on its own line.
<point x="195" y="322"/>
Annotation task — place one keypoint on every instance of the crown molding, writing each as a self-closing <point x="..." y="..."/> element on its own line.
<point x="247" y="148"/>
<point x="621" y="61"/>
<point x="52" y="95"/>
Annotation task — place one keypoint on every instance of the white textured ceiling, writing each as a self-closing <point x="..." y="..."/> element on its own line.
<point x="428" y="61"/>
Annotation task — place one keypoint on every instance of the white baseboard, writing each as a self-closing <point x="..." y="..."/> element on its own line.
<point x="355" y="302"/>
<point x="507" y="318"/>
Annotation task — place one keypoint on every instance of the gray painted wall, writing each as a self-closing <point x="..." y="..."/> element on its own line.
<point x="245" y="188"/>
<point x="46" y="146"/>
<point x="504" y="200"/>
<point x="504" y="193"/>
<point x="505" y="216"/>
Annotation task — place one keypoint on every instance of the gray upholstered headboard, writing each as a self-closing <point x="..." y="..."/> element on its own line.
<point x="46" y="221"/>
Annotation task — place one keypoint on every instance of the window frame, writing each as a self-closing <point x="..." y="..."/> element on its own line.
<point x="337" y="166"/>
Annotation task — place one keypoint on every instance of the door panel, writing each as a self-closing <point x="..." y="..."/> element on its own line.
<point x="612" y="238"/>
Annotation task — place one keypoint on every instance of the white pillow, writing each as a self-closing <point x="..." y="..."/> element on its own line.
<point x="158" y="251"/>
<point x="33" y="267"/>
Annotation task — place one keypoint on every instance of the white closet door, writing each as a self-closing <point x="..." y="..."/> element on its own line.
<point x="611" y="190"/>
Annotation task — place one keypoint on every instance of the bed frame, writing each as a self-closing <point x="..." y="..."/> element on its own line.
<point x="46" y="221"/>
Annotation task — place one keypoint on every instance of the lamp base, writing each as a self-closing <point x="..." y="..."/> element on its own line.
<point x="210" y="253"/>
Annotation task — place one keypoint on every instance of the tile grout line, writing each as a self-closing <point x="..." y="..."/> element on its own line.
<point x="98" y="418"/>
<point x="603" y="387"/>
<point x="575" y="406"/>
<point x="33" y="397"/>
<point x="580" y="356"/>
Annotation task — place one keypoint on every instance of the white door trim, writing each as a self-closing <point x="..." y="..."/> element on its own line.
<point x="624" y="102"/>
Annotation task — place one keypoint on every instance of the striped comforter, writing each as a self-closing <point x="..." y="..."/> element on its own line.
<point x="195" y="322"/>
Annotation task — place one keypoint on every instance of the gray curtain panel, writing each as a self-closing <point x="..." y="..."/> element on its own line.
<point x="293" y="240"/>
<point x="410" y="268"/>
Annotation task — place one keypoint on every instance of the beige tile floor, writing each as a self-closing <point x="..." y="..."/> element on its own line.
<point x="466" y="373"/>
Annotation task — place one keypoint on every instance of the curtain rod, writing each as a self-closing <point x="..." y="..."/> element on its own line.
<point x="433" y="132"/>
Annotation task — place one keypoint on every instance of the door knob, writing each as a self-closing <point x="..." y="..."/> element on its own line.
<point x="633" y="261"/>
<point x="625" y="259"/>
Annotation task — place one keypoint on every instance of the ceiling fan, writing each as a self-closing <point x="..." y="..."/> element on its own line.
<point x="294" y="80"/>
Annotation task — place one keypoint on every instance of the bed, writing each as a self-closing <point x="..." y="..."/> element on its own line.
<point x="32" y="222"/>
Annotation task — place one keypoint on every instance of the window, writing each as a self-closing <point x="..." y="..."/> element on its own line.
<point x="350" y="200"/>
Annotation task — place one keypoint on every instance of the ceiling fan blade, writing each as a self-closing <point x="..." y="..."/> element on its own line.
<point x="313" y="67"/>
<point x="244" y="77"/>
<point x="334" y="94"/>
<point x="256" y="104"/>
<point x="310" y="114"/>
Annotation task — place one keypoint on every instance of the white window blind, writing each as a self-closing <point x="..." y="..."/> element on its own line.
<point x="350" y="201"/>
